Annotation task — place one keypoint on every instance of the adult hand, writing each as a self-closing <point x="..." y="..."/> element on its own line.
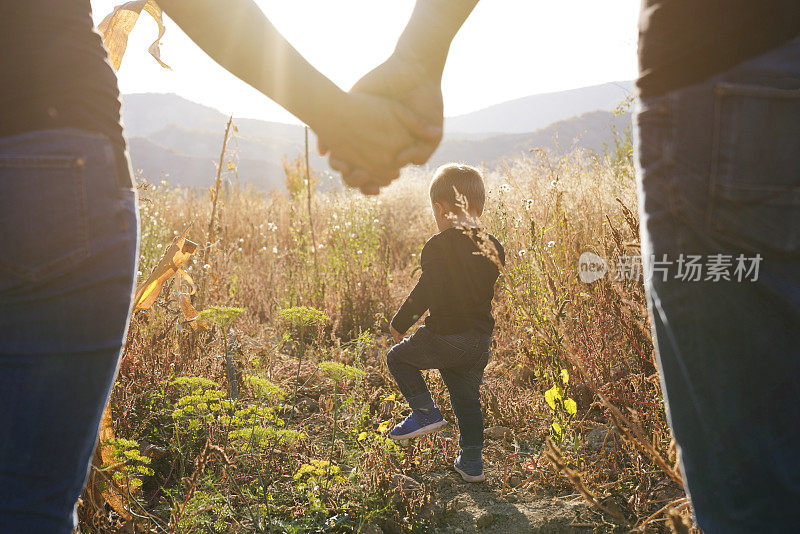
<point x="403" y="78"/>
<point x="368" y="132"/>
<point x="413" y="75"/>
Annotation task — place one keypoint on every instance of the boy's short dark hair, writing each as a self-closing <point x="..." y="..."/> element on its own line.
<point x="465" y="179"/>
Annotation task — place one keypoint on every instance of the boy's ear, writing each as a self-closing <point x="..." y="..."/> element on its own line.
<point x="445" y="208"/>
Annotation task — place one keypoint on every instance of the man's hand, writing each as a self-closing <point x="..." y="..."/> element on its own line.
<point x="368" y="132"/>
<point x="403" y="78"/>
<point x="398" y="337"/>
<point x="411" y="76"/>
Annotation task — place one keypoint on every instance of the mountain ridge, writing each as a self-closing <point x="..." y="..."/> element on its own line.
<point x="533" y="112"/>
<point x="179" y="140"/>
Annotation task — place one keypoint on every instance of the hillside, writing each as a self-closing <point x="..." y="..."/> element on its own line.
<point x="177" y="140"/>
<point x="533" y="112"/>
<point x="145" y="113"/>
<point x="592" y="131"/>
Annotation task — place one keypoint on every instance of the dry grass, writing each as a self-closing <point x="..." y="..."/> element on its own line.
<point x="615" y="450"/>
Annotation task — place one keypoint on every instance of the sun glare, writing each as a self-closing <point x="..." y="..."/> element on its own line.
<point x="507" y="49"/>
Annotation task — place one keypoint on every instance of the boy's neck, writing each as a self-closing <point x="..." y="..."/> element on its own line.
<point x="459" y="221"/>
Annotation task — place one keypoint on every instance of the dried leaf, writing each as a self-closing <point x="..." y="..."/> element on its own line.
<point x="117" y="27"/>
<point x="106" y="434"/>
<point x="101" y="487"/>
<point x="190" y="314"/>
<point x="183" y="275"/>
<point x="175" y="256"/>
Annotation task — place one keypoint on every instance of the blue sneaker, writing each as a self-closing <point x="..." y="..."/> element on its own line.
<point x="418" y="424"/>
<point x="470" y="470"/>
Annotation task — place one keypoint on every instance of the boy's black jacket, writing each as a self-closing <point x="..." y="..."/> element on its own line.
<point x="456" y="284"/>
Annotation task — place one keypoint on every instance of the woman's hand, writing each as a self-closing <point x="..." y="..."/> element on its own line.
<point x="364" y="130"/>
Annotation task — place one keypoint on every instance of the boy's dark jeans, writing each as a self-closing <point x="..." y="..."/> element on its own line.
<point x="461" y="359"/>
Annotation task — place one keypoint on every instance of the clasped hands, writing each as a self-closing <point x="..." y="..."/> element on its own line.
<point x="390" y="118"/>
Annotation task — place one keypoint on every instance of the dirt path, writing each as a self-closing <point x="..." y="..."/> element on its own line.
<point x="468" y="508"/>
<point x="460" y="508"/>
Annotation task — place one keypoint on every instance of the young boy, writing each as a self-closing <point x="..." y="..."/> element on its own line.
<point x="457" y="286"/>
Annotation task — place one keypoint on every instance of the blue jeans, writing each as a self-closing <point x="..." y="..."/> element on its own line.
<point x="461" y="359"/>
<point x="68" y="251"/>
<point x="719" y="173"/>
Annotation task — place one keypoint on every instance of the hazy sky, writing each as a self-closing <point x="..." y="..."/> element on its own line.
<point x="507" y="49"/>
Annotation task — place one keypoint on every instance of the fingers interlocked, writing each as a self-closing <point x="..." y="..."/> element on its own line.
<point x="394" y="118"/>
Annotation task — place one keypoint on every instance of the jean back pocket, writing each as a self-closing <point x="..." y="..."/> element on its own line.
<point x="754" y="199"/>
<point x="42" y="215"/>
